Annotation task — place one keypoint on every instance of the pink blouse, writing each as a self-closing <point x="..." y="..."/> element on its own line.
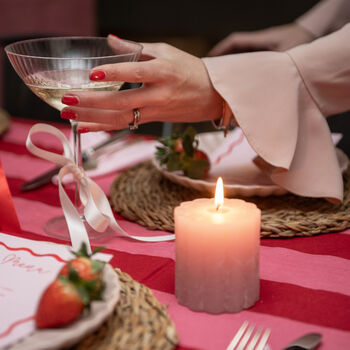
<point x="281" y="99"/>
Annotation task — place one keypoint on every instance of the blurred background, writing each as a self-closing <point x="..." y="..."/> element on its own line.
<point x="191" y="25"/>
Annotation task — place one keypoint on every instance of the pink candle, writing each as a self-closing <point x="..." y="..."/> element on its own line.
<point x="217" y="254"/>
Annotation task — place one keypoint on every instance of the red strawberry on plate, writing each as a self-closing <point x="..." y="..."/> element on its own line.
<point x="60" y="304"/>
<point x="79" y="282"/>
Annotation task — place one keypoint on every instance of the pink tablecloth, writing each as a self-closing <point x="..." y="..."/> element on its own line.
<point x="305" y="284"/>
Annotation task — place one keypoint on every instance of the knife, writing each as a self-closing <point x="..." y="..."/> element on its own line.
<point x="306" y="342"/>
<point x="87" y="156"/>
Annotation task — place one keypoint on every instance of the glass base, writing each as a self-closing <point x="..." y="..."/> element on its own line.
<point x="57" y="227"/>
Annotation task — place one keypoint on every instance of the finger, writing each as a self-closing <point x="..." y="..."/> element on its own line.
<point x="134" y="72"/>
<point x="149" y="50"/>
<point x="117" y="119"/>
<point x="117" y="100"/>
<point x="239" y="42"/>
<point x="84" y="127"/>
<point x="221" y="48"/>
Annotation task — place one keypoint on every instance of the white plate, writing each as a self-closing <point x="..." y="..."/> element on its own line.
<point x="51" y="339"/>
<point x="240" y="175"/>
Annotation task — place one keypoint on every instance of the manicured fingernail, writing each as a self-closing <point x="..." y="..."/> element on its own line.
<point x="68" y="114"/>
<point x="83" y="130"/>
<point x="97" y="75"/>
<point x="114" y="36"/>
<point x="70" y="100"/>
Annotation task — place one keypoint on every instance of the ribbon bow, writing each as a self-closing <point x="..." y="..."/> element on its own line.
<point x="97" y="210"/>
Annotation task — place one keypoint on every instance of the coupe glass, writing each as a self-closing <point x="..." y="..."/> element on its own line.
<point x="53" y="67"/>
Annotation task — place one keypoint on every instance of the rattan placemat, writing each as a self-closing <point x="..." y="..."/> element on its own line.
<point x="143" y="195"/>
<point x="139" y="322"/>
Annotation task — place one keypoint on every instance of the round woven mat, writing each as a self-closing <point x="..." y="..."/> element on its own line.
<point x="139" y="322"/>
<point x="143" y="195"/>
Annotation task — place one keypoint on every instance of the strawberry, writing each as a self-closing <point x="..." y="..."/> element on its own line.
<point x="78" y="283"/>
<point x="198" y="154"/>
<point x="60" y="304"/>
<point x="86" y="268"/>
<point x="178" y="146"/>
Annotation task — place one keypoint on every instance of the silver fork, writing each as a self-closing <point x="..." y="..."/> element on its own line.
<point x="245" y="340"/>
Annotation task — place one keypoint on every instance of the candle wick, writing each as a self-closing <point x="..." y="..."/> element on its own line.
<point x="218" y="207"/>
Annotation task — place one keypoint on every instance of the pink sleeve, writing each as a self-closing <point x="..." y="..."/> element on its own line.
<point x="326" y="17"/>
<point x="280" y="100"/>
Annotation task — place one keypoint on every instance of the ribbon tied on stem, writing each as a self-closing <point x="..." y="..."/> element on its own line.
<point x="97" y="210"/>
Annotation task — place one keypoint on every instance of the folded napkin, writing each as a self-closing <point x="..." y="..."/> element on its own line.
<point x="237" y="163"/>
<point x="117" y="156"/>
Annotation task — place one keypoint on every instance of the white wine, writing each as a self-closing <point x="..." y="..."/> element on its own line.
<point x="51" y="86"/>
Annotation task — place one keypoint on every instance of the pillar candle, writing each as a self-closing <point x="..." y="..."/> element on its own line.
<point x="217" y="255"/>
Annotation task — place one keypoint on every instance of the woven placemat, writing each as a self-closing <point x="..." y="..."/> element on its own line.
<point x="139" y="322"/>
<point x="143" y="195"/>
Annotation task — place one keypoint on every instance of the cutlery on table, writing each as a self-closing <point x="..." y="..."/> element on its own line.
<point x="245" y="339"/>
<point x="88" y="157"/>
<point x="306" y="342"/>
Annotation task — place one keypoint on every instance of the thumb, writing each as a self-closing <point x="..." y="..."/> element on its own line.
<point x="120" y="46"/>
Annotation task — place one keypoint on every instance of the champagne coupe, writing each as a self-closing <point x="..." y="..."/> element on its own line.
<point x="53" y="67"/>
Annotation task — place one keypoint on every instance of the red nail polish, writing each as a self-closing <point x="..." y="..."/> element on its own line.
<point x="114" y="36"/>
<point x="68" y="114"/>
<point x="70" y="100"/>
<point x="97" y="75"/>
<point x="83" y="130"/>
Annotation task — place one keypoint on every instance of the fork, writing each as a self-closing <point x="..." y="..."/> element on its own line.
<point x="243" y="336"/>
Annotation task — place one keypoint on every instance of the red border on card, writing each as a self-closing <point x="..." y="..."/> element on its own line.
<point x="35" y="254"/>
<point x="17" y="323"/>
<point x="14" y="324"/>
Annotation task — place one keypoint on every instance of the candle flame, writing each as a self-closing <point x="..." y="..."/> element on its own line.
<point x="219" y="194"/>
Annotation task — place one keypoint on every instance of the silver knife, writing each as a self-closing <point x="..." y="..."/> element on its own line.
<point x="87" y="156"/>
<point x="306" y="342"/>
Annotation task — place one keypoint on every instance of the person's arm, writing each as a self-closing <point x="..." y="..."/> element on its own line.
<point x="325" y="17"/>
<point x="280" y="100"/>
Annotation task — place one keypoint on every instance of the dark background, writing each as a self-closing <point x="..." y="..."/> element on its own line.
<point x="191" y="25"/>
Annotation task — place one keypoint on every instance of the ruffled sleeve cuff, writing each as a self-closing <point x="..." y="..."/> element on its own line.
<point x="280" y="120"/>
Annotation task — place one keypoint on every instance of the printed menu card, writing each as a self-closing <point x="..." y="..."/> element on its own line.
<point x="26" y="269"/>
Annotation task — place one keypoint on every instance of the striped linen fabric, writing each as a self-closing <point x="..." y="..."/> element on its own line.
<point x="305" y="282"/>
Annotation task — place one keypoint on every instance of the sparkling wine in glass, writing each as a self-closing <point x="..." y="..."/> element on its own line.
<point x="53" y="67"/>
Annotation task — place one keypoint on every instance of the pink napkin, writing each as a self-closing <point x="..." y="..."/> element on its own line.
<point x="117" y="156"/>
<point x="120" y="155"/>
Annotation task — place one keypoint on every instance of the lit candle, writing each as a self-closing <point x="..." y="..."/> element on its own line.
<point x="217" y="254"/>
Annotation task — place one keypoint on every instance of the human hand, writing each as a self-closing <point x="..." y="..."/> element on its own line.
<point x="278" y="38"/>
<point x="176" y="88"/>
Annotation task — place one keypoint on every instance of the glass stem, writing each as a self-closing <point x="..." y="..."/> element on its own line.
<point x="78" y="161"/>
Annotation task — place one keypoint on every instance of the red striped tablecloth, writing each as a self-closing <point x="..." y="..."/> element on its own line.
<point x="305" y="282"/>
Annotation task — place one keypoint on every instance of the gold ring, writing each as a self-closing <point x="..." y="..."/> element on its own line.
<point x="134" y="125"/>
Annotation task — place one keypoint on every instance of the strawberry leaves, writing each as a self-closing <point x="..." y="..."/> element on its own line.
<point x="180" y="152"/>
